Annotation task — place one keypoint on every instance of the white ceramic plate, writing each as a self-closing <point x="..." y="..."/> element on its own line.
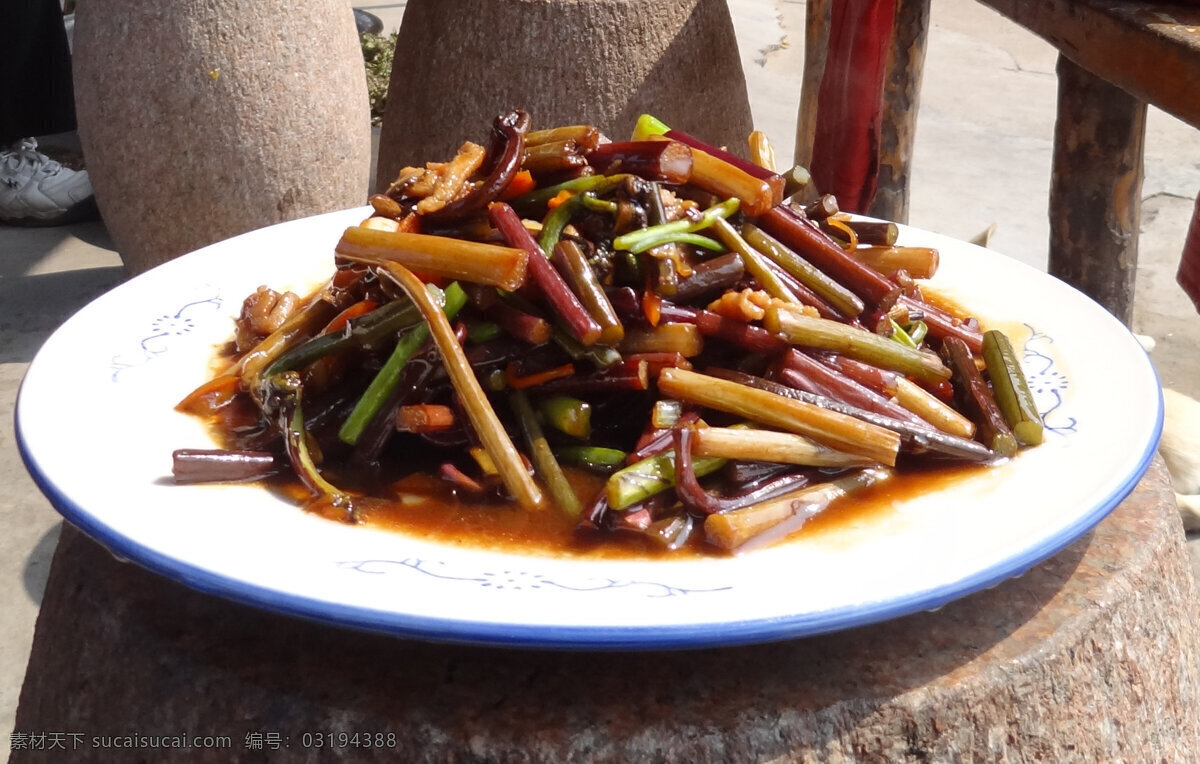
<point x="96" y="428"/>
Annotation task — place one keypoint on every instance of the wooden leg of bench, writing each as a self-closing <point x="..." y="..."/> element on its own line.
<point x="1096" y="188"/>
<point x="901" y="95"/>
<point x="816" y="47"/>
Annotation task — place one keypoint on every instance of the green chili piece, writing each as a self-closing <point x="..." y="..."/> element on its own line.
<point x="594" y="458"/>
<point x="567" y="414"/>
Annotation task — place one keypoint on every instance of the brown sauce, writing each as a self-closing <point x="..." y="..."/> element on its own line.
<point x="422" y="507"/>
<point x="873" y="503"/>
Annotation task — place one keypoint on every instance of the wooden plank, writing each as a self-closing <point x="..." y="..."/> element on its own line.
<point x="1149" y="50"/>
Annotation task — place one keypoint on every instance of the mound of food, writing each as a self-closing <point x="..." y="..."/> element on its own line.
<point x="560" y="336"/>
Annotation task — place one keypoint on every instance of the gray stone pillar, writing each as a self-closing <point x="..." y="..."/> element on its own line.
<point x="1090" y="656"/>
<point x="459" y="63"/>
<point x="203" y="120"/>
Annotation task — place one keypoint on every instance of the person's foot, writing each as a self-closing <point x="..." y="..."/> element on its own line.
<point x="35" y="190"/>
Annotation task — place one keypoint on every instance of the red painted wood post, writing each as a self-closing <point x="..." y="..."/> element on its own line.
<point x="858" y="108"/>
<point x="1189" y="264"/>
<point x="845" y="159"/>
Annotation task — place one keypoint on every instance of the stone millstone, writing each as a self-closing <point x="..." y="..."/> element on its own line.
<point x="1089" y="656"/>
<point x="203" y="120"/>
<point x="459" y="63"/>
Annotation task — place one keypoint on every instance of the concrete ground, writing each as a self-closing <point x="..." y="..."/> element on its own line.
<point x="982" y="158"/>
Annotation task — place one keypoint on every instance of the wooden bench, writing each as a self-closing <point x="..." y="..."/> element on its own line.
<point x="1114" y="58"/>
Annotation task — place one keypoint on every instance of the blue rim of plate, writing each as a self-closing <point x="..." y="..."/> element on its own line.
<point x="592" y="636"/>
<point x="683" y="636"/>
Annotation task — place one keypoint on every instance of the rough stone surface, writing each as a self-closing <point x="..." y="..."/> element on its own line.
<point x="602" y="62"/>
<point x="1090" y="656"/>
<point x="203" y="120"/>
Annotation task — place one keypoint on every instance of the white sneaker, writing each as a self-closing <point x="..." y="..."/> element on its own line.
<point x="35" y="190"/>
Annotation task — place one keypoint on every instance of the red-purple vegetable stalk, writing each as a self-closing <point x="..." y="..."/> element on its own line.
<point x="544" y="277"/>
<point x="814" y="245"/>
<point x="693" y="495"/>
<point x="844" y="388"/>
<point x="194" y="465"/>
<point x="668" y="161"/>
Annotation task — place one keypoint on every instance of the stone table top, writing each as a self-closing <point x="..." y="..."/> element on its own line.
<point x="1091" y="655"/>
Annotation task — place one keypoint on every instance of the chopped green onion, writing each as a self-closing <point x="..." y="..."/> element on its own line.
<point x="594" y="458"/>
<point x="483" y="331"/>
<point x="647" y="126"/>
<point x="654" y="474"/>
<point x="569" y="415"/>
<point x="652" y="236"/>
<point x="901" y="336"/>
<point x="666" y="413"/>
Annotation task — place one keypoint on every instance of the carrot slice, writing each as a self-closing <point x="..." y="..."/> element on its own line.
<point x="210" y="396"/>
<point x="537" y="378"/>
<point x="360" y="308"/>
<point x="522" y="183"/>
